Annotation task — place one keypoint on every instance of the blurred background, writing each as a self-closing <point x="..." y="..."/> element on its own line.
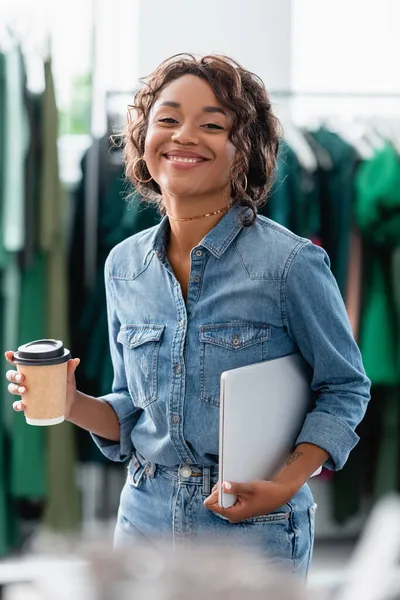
<point x="67" y="74"/>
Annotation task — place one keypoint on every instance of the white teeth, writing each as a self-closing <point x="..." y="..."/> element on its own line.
<point x="182" y="159"/>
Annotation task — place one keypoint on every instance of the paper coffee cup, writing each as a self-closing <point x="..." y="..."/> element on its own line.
<point x="44" y="364"/>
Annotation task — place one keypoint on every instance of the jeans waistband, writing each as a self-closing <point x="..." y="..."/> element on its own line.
<point x="185" y="473"/>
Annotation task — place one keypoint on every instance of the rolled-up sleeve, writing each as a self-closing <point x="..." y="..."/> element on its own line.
<point x="119" y="398"/>
<point x="316" y="319"/>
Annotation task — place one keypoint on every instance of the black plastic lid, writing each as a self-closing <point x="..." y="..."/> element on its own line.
<point x="42" y="353"/>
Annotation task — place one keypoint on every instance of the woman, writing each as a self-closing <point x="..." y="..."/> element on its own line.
<point x="214" y="287"/>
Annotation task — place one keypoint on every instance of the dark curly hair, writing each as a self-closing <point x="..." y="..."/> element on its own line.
<point x="255" y="131"/>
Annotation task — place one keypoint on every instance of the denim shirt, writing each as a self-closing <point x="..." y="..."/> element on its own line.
<point x="255" y="293"/>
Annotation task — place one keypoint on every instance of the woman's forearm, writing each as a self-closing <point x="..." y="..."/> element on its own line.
<point x="94" y="415"/>
<point x="302" y="463"/>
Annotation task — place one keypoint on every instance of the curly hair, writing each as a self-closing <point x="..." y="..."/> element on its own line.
<point x="255" y="131"/>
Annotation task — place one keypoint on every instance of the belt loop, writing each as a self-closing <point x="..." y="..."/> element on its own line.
<point x="206" y="481"/>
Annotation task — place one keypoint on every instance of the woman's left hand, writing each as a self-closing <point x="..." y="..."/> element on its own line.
<point x="254" y="499"/>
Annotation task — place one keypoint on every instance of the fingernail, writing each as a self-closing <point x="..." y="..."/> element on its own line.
<point x="21" y="389"/>
<point x="18" y="377"/>
<point x="227" y="485"/>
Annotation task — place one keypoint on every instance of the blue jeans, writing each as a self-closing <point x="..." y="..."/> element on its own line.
<point x="159" y="503"/>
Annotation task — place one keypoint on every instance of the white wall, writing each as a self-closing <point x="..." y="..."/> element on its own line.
<point x="257" y="33"/>
<point x="346" y="47"/>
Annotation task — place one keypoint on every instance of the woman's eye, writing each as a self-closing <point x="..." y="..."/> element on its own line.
<point x="213" y="126"/>
<point x="168" y="120"/>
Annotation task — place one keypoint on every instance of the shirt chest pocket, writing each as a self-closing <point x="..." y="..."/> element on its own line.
<point x="141" y="345"/>
<point x="228" y="346"/>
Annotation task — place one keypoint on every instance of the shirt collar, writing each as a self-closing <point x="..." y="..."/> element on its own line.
<point x="216" y="241"/>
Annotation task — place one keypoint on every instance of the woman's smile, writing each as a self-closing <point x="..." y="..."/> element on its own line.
<point x="184" y="159"/>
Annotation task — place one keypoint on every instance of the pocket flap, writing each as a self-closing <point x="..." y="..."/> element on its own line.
<point x="136" y="335"/>
<point x="235" y="336"/>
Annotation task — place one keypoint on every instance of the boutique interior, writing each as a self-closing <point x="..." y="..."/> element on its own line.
<point x="68" y="75"/>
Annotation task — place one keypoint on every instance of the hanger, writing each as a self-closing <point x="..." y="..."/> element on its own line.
<point x="7" y="38"/>
<point x="323" y="158"/>
<point x="389" y="128"/>
<point x="352" y="133"/>
<point x="300" y="146"/>
<point x="370" y="133"/>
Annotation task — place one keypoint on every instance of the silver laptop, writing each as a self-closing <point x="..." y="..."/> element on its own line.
<point x="263" y="407"/>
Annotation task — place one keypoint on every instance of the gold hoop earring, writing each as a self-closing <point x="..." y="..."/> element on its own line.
<point x="245" y="180"/>
<point x="133" y="172"/>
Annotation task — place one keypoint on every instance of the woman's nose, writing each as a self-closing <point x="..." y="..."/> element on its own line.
<point x="185" y="134"/>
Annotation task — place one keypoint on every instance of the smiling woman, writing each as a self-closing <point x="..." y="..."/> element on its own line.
<point x="215" y="287"/>
<point x="208" y="118"/>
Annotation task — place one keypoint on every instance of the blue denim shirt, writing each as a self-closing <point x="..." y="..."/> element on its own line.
<point x="255" y="293"/>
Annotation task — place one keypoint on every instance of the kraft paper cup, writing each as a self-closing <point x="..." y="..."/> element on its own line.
<point x="44" y="364"/>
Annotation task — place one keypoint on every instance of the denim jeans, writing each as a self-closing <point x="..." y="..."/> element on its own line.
<point x="165" y="503"/>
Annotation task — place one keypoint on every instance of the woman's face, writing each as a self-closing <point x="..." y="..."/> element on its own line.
<point x="187" y="147"/>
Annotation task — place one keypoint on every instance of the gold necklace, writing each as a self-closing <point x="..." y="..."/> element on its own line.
<point x="216" y="212"/>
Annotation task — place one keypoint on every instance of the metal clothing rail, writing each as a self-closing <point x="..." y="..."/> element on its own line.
<point x="333" y="94"/>
<point x="297" y="93"/>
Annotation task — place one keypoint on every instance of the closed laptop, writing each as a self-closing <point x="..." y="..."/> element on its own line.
<point x="262" y="410"/>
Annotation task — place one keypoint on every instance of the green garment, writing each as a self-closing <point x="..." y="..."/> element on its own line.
<point x="378" y="213"/>
<point x="396" y="286"/>
<point x="337" y="202"/>
<point x="280" y="203"/>
<point x="28" y="473"/>
<point x="62" y="507"/>
<point x="3" y="495"/>
<point x="37" y="464"/>
<point x="4" y="512"/>
<point x="378" y="217"/>
<point x="379" y="333"/>
<point x="293" y="201"/>
<point x="378" y="203"/>
<point x="3" y="147"/>
<point x="373" y="467"/>
<point x="13" y="143"/>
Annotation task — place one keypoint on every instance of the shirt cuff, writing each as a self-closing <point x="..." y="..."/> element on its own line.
<point x="127" y="416"/>
<point x="330" y="433"/>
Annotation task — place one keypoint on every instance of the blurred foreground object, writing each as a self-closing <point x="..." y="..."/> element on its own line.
<point x="92" y="571"/>
<point x="373" y="572"/>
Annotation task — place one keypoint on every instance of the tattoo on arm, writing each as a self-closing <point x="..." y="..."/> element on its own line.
<point x="293" y="457"/>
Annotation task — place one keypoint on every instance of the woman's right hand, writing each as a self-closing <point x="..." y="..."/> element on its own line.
<point x="17" y="385"/>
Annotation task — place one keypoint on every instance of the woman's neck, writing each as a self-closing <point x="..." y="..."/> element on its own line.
<point x="185" y="235"/>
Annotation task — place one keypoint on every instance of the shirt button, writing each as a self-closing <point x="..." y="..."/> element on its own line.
<point x="236" y="341"/>
<point x="188" y="461"/>
<point x="181" y="323"/>
<point x="185" y="471"/>
<point x="178" y="369"/>
<point x="196" y="279"/>
<point x="175" y="419"/>
<point x="199" y="253"/>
